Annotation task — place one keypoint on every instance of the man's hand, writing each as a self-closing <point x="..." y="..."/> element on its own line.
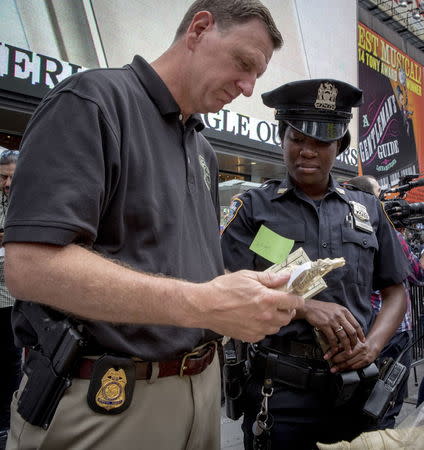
<point x="363" y="354"/>
<point x="340" y="328"/>
<point x="245" y="305"/>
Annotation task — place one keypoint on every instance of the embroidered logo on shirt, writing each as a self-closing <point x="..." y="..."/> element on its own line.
<point x="206" y="172"/>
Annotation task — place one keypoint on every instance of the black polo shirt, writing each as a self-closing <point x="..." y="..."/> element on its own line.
<point x="107" y="162"/>
<point x="374" y="260"/>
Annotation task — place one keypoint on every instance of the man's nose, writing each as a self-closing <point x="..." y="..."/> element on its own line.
<point x="246" y="85"/>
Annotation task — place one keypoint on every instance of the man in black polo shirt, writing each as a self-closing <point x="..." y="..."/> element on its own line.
<point x="120" y="228"/>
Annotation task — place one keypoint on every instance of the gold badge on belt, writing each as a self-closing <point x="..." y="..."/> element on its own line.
<point x="112" y="391"/>
<point x="111" y="384"/>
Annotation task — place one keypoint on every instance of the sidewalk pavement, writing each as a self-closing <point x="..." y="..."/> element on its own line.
<point x="232" y="437"/>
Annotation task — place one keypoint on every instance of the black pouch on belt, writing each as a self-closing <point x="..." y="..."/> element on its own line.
<point x="111" y="384"/>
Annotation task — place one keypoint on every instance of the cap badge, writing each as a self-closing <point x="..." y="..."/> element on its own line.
<point x="326" y="98"/>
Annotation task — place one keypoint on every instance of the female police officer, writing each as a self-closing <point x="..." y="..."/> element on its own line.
<point x="306" y="400"/>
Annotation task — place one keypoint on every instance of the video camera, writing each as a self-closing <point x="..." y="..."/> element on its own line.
<point x="401" y="213"/>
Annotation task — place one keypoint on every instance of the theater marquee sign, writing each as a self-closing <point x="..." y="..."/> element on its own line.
<point x="391" y="138"/>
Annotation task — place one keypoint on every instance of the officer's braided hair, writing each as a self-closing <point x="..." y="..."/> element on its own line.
<point x="231" y="12"/>
<point x="282" y="127"/>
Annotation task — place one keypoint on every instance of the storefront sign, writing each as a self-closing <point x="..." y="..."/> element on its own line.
<point x="241" y="125"/>
<point x="349" y="157"/>
<point x="31" y="73"/>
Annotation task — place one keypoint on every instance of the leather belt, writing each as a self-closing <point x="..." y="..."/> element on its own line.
<point x="191" y="363"/>
<point x="295" y="348"/>
<point x="292" y="371"/>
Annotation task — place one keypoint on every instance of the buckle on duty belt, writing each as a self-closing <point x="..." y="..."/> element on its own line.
<point x="196" y="352"/>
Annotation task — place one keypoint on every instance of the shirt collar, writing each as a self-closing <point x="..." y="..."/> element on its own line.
<point x="159" y="92"/>
<point x="287" y="186"/>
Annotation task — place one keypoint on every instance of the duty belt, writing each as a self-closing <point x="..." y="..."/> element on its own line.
<point x="296" y="372"/>
<point x="191" y="363"/>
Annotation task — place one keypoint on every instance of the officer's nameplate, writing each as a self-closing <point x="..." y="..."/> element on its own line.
<point x="306" y="275"/>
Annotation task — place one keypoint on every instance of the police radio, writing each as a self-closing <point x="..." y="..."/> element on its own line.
<point x="385" y="390"/>
<point x="383" y="395"/>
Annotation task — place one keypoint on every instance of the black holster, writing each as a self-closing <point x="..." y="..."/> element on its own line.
<point x="49" y="366"/>
<point x="43" y="391"/>
<point x="235" y="377"/>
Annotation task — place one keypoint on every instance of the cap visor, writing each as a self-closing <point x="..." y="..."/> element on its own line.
<point x="323" y="131"/>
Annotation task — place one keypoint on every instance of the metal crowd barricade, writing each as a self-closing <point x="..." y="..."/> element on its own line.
<point x="417" y="300"/>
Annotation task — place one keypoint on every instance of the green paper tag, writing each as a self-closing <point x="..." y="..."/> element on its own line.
<point x="271" y="246"/>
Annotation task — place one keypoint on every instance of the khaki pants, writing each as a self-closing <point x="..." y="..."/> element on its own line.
<point x="168" y="413"/>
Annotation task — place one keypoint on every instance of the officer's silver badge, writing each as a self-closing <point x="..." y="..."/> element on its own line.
<point x="206" y="172"/>
<point x="361" y="218"/>
<point x="326" y="98"/>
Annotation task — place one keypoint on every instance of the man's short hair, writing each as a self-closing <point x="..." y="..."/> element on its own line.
<point x="232" y="12"/>
<point x="363" y="182"/>
<point x="8" y="156"/>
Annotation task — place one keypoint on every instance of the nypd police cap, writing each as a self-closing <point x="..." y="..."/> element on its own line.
<point x="320" y="108"/>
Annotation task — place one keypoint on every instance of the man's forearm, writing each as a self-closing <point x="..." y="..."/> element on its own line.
<point x="88" y="285"/>
<point x="245" y="305"/>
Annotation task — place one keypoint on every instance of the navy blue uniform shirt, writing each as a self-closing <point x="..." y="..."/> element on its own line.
<point x="374" y="260"/>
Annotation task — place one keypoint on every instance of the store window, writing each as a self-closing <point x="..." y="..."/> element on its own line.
<point x="10" y="141"/>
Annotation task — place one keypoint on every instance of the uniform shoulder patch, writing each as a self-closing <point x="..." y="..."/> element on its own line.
<point x="233" y="210"/>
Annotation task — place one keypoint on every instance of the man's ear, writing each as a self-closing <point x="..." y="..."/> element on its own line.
<point x="202" y="22"/>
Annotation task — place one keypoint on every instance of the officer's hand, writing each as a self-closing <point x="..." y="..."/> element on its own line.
<point x="246" y="305"/>
<point x="336" y="322"/>
<point x="363" y="354"/>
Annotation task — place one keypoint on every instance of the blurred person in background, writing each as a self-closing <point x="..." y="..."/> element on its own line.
<point x="11" y="356"/>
